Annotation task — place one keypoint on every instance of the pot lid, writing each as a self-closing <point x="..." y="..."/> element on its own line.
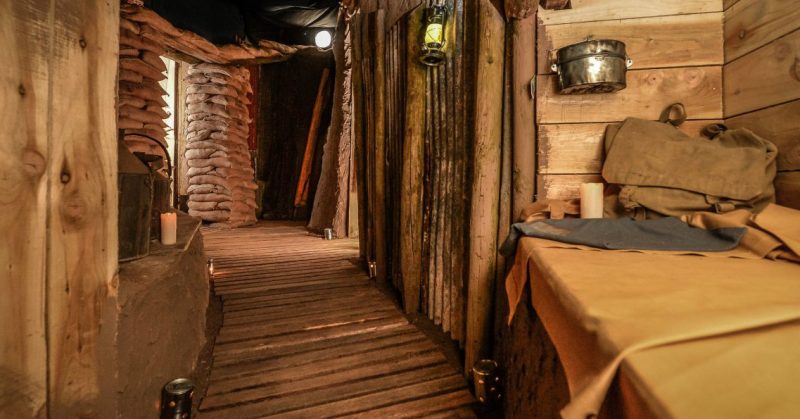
<point x="609" y="47"/>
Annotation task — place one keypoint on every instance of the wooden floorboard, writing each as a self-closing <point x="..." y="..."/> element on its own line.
<point x="306" y="334"/>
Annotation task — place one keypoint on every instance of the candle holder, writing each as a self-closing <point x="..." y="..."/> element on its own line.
<point x="176" y="399"/>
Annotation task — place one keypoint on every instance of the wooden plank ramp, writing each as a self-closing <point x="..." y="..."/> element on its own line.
<point x="306" y="334"/>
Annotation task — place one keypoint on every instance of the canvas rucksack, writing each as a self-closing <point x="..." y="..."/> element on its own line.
<point x="654" y="170"/>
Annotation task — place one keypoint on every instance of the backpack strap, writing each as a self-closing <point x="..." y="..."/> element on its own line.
<point x="712" y="130"/>
<point x="667" y="112"/>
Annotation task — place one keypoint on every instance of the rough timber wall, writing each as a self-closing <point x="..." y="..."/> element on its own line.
<point x="58" y="194"/>
<point x="676" y="47"/>
<point x="762" y="81"/>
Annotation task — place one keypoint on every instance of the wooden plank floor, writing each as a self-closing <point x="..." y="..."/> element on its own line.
<point x="306" y="334"/>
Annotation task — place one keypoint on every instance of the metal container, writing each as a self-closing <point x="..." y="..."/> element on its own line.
<point x="176" y="399"/>
<point x="486" y="381"/>
<point x="327" y="234"/>
<point x="596" y="66"/>
<point x="135" y="188"/>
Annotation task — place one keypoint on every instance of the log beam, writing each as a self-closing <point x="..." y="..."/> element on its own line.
<point x="523" y="56"/>
<point x="413" y="162"/>
<point x="486" y="182"/>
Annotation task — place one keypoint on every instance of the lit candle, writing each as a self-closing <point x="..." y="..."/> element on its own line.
<point x="169" y="228"/>
<point x="591" y="200"/>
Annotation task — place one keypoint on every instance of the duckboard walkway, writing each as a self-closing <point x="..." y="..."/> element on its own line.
<point x="306" y="334"/>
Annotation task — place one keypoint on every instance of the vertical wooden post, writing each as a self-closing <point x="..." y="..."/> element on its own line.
<point x="486" y="182"/>
<point x="523" y="44"/>
<point x="357" y="85"/>
<point x="413" y="162"/>
<point x="82" y="239"/>
<point x="379" y="216"/>
<point x="24" y="80"/>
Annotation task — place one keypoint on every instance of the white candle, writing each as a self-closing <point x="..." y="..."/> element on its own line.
<point x="169" y="228"/>
<point x="591" y="200"/>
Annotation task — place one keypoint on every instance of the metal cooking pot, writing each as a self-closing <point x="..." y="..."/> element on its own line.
<point x="596" y="66"/>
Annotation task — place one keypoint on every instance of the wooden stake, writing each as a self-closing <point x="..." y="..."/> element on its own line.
<point x="379" y="216"/>
<point x="358" y="134"/>
<point x="486" y="182"/>
<point x="523" y="44"/>
<point x="301" y="193"/>
<point x="411" y="199"/>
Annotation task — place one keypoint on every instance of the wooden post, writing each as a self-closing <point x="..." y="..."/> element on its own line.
<point x="523" y="44"/>
<point x="486" y="182"/>
<point x="82" y="240"/>
<point x="519" y="9"/>
<point x="358" y="133"/>
<point x="379" y="216"/>
<point x="413" y="162"/>
<point x="24" y="82"/>
<point x="301" y="193"/>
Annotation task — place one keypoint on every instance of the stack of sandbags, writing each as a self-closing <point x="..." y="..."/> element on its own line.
<point x="141" y="105"/>
<point x="222" y="187"/>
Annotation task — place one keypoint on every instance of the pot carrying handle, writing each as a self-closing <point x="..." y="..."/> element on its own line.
<point x="665" y="114"/>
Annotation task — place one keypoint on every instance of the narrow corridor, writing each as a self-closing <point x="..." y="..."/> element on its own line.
<point x="306" y="334"/>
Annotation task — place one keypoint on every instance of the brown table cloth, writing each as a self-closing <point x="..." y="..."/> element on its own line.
<point x="696" y="336"/>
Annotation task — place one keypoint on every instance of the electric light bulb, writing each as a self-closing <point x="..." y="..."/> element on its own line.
<point x="323" y="39"/>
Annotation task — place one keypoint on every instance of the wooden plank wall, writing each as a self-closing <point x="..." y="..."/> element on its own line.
<point x="762" y="81"/>
<point x="58" y="259"/>
<point x="676" y="47"/>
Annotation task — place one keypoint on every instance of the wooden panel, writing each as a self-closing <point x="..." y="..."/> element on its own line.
<point x="728" y="3"/>
<point x="594" y="10"/>
<point x="562" y="186"/>
<point x="578" y="148"/>
<point x="779" y="124"/>
<point x="82" y="256"/>
<point x="24" y="32"/>
<point x="787" y="189"/>
<point x="657" y="42"/>
<point x="753" y="23"/>
<point x="647" y="94"/>
<point x="765" y="77"/>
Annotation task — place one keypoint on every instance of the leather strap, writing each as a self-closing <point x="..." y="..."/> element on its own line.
<point x="712" y="130"/>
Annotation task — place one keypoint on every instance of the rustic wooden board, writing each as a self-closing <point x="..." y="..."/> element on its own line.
<point x="82" y="246"/>
<point x="654" y="42"/>
<point x="578" y="148"/>
<point x="595" y="10"/>
<point x="312" y="334"/>
<point x="779" y="124"/>
<point x="751" y="24"/>
<point x="765" y="77"/>
<point x="24" y="32"/>
<point x="787" y="189"/>
<point x="647" y="94"/>
<point x="563" y="186"/>
<point x="728" y="3"/>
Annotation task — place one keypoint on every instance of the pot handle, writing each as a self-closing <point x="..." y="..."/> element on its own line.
<point x="628" y="62"/>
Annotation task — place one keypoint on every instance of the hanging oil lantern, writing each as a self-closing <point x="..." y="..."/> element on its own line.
<point x="433" y="41"/>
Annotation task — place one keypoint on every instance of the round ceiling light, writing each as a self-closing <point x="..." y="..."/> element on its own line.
<point x="322" y="39"/>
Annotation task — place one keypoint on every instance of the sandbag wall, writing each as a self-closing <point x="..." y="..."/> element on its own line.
<point x="222" y="185"/>
<point x="141" y="105"/>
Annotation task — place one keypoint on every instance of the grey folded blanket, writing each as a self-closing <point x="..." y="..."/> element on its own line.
<point x="667" y="233"/>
